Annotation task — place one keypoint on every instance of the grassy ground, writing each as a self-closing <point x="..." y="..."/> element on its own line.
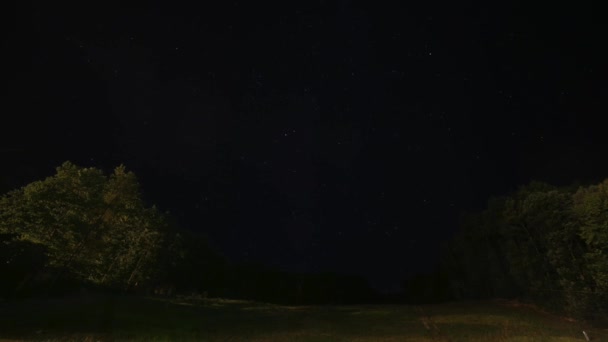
<point x="116" y="318"/>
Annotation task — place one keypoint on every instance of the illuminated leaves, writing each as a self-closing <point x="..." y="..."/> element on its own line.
<point x="96" y="228"/>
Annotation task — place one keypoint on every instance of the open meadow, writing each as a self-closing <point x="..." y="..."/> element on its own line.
<point x="123" y="318"/>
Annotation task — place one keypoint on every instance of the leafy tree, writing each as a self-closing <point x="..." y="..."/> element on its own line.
<point x="532" y="215"/>
<point x="96" y="229"/>
<point x="591" y="210"/>
<point x="541" y="243"/>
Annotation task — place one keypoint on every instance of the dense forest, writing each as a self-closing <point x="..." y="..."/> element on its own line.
<point x="82" y="230"/>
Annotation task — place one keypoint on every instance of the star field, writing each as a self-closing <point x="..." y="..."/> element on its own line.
<point x="346" y="137"/>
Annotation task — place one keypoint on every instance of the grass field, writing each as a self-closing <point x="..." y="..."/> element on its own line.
<point x="117" y="318"/>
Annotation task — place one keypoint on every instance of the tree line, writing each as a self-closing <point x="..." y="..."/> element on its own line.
<point x="82" y="229"/>
<point x="542" y="244"/>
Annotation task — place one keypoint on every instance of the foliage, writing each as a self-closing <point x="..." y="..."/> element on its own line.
<point x="542" y="244"/>
<point x="94" y="229"/>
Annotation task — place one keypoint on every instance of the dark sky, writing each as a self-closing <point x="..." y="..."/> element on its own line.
<point x="330" y="136"/>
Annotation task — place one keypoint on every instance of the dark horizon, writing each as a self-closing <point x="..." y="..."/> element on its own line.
<point x="312" y="138"/>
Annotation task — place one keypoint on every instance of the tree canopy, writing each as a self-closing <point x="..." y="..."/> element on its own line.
<point x="541" y="243"/>
<point x="93" y="228"/>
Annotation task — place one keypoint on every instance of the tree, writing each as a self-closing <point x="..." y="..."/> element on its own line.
<point x="591" y="211"/>
<point x="96" y="229"/>
<point x="541" y="244"/>
<point x="532" y="215"/>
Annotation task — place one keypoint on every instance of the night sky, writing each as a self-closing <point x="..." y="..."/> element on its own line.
<point x="329" y="136"/>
